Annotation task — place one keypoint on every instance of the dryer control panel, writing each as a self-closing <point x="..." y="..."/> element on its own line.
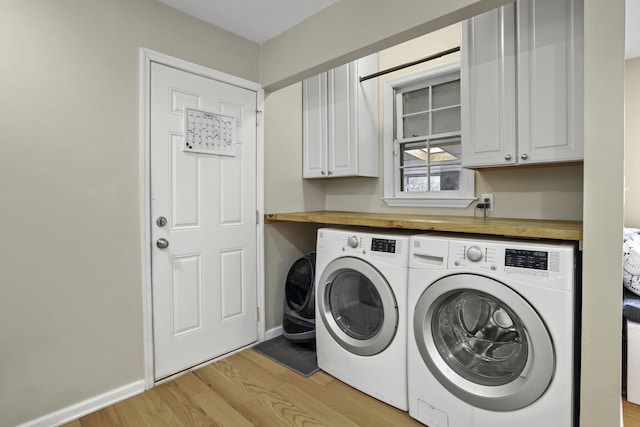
<point x="392" y="249"/>
<point x="367" y="243"/>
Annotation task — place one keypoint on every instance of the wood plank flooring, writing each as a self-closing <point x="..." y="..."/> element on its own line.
<point x="631" y="414"/>
<point x="248" y="389"/>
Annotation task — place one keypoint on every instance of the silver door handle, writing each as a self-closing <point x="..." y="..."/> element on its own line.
<point x="524" y="156"/>
<point x="162" y="243"/>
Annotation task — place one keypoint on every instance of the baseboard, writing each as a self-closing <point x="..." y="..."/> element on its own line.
<point x="88" y="406"/>
<point x="272" y="333"/>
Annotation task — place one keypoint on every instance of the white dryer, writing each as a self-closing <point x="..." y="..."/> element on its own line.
<point x="361" y="311"/>
<point x="491" y="335"/>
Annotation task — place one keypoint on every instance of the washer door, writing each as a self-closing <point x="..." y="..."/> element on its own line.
<point x="357" y="306"/>
<point x="484" y="342"/>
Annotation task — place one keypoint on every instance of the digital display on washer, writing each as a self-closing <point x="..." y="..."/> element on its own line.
<point x="536" y="260"/>
<point x="383" y="245"/>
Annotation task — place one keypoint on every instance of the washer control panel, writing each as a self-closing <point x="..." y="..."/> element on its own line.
<point x="383" y="245"/>
<point x="505" y="258"/>
<point x="520" y="258"/>
<point x="474" y="255"/>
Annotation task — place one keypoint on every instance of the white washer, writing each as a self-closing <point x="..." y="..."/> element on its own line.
<point x="361" y="310"/>
<point x="490" y="332"/>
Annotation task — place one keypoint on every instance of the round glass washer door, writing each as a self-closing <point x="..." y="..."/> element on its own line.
<point x="357" y="306"/>
<point x="484" y="342"/>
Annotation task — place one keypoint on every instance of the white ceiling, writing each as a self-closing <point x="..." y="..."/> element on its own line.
<point x="261" y="20"/>
<point x="255" y="20"/>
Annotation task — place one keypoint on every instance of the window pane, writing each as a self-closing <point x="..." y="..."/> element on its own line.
<point x="447" y="120"/>
<point x="448" y="177"/>
<point x="416" y="180"/>
<point x="414" y="155"/>
<point x="446" y="164"/>
<point x="415" y="101"/>
<point x="414" y="163"/>
<point x="431" y="165"/>
<point x="446" y="94"/>
<point x="417" y="125"/>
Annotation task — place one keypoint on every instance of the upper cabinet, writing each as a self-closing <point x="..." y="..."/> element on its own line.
<point x="522" y="84"/>
<point x="340" y="122"/>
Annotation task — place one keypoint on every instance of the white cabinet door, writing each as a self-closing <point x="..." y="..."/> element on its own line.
<point x="522" y="84"/>
<point x="550" y="80"/>
<point x="343" y="120"/>
<point x="340" y="116"/>
<point x="488" y="87"/>
<point x="367" y="117"/>
<point x="314" y="126"/>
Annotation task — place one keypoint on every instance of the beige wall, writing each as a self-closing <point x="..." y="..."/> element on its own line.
<point x="632" y="143"/>
<point x="70" y="283"/>
<point x="285" y="191"/>
<point x="603" y="212"/>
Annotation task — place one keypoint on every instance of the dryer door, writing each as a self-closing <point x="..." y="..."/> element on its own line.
<point x="484" y="342"/>
<point x="357" y="306"/>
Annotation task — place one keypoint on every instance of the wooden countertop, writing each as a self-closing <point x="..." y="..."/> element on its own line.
<point x="511" y="227"/>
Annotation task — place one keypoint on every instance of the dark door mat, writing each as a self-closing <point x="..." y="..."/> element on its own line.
<point x="300" y="358"/>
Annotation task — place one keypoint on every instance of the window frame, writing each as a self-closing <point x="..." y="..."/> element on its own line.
<point x="393" y="195"/>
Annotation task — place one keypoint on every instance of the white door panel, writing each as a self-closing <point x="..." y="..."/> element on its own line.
<point x="204" y="282"/>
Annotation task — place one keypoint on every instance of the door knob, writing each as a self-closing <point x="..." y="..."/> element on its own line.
<point x="524" y="156"/>
<point x="162" y="243"/>
<point x="507" y="157"/>
<point x="161" y="221"/>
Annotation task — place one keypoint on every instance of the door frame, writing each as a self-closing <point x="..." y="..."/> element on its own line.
<point x="148" y="56"/>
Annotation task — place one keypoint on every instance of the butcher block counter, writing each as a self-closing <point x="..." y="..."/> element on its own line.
<point x="510" y="227"/>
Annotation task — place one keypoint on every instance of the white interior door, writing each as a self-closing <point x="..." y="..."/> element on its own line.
<point x="204" y="281"/>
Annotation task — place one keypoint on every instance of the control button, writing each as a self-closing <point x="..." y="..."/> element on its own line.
<point x="457" y="263"/>
<point x="474" y="253"/>
<point x="494" y="268"/>
<point x="543" y="274"/>
<point x="353" y="241"/>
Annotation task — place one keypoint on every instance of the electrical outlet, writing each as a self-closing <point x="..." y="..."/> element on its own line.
<point x="484" y="198"/>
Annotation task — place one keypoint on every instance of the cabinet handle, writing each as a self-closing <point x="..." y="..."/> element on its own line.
<point x="507" y="157"/>
<point x="330" y="172"/>
<point x="323" y="172"/>
<point x="524" y="156"/>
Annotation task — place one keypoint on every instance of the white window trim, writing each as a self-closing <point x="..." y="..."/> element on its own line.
<point x="444" y="199"/>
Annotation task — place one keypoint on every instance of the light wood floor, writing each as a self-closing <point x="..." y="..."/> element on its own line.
<point x="631" y="414"/>
<point x="247" y="389"/>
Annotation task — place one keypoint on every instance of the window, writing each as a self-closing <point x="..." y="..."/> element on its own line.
<point x="423" y="164"/>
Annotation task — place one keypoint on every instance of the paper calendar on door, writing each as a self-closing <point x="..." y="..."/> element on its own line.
<point x="209" y="133"/>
